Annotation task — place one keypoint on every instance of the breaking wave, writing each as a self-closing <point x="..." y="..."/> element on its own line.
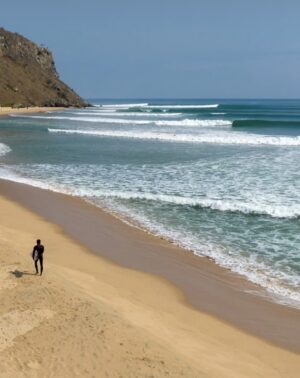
<point x="184" y="106"/>
<point x="275" y="211"/>
<point x="235" y="139"/>
<point x="141" y="105"/>
<point x="128" y="114"/>
<point x="121" y="105"/>
<point x="4" y="149"/>
<point x="195" y="122"/>
<point x="184" y="122"/>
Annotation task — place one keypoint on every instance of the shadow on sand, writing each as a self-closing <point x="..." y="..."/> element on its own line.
<point x="19" y="274"/>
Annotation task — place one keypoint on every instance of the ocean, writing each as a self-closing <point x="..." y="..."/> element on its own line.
<point x="218" y="177"/>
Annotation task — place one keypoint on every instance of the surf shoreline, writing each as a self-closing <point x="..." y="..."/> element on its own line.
<point x="7" y="110"/>
<point x="204" y="285"/>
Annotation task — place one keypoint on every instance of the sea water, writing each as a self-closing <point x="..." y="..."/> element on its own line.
<point x="220" y="178"/>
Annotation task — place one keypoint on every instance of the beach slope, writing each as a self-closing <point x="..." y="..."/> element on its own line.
<point x="89" y="317"/>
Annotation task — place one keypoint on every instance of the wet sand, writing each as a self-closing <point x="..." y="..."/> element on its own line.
<point x="202" y="284"/>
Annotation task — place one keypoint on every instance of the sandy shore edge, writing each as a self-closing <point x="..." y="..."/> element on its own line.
<point x="7" y="110"/>
<point x="148" y="326"/>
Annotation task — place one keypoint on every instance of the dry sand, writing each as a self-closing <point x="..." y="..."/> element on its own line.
<point x="88" y="317"/>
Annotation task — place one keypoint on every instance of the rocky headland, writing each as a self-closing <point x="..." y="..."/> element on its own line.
<point x="28" y="76"/>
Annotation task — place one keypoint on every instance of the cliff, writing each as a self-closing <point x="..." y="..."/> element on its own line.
<point x="28" y="76"/>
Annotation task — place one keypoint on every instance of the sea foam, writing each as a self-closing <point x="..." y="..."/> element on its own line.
<point x="229" y="138"/>
<point x="183" y="122"/>
<point x="4" y="149"/>
<point x="272" y="210"/>
<point x="184" y="106"/>
<point x="141" y="105"/>
<point x="122" y="105"/>
<point x="127" y="114"/>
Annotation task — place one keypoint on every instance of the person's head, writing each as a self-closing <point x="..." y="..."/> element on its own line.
<point x="38" y="242"/>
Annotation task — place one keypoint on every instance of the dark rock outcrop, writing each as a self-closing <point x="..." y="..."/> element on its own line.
<point x="28" y="76"/>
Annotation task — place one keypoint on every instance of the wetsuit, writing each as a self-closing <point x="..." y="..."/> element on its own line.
<point x="39" y="248"/>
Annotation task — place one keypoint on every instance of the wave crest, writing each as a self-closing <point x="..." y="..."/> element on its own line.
<point x="275" y="211"/>
<point x="133" y="105"/>
<point x="183" y="122"/>
<point x="228" y="139"/>
<point x="147" y="105"/>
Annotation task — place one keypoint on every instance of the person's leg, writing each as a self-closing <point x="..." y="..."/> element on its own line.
<point x="36" y="267"/>
<point x="41" y="264"/>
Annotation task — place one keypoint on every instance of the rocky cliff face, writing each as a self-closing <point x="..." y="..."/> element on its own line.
<point x="28" y="76"/>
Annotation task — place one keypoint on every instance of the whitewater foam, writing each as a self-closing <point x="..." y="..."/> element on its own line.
<point x="184" y="122"/>
<point x="141" y="105"/>
<point x="131" y="114"/>
<point x="122" y="105"/>
<point x="226" y="139"/>
<point x="184" y="106"/>
<point x="195" y="122"/>
<point x="275" y="211"/>
<point x="4" y="149"/>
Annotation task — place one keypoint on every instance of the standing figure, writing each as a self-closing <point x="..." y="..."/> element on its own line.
<point x="37" y="255"/>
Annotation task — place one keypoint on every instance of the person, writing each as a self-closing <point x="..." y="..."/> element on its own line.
<point x="37" y="255"/>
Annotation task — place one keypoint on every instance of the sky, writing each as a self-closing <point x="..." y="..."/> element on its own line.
<point x="167" y="48"/>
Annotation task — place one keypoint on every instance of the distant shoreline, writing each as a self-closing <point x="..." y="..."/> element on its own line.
<point x="7" y="110"/>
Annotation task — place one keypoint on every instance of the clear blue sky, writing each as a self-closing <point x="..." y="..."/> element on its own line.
<point x="167" y="48"/>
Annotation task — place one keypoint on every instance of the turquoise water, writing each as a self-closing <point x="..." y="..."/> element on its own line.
<point x="220" y="178"/>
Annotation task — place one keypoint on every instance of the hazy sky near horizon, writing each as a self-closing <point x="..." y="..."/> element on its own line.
<point x="167" y="48"/>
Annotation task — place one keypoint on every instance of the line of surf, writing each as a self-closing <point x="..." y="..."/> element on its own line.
<point x="208" y="106"/>
<point x="228" y="139"/>
<point x="162" y="106"/>
<point x="132" y="105"/>
<point x="184" y="122"/>
<point x="127" y="114"/>
<point x="276" y="211"/>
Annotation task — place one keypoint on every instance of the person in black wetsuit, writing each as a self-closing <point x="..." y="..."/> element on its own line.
<point x="37" y="255"/>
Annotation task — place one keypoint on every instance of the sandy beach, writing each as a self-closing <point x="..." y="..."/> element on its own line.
<point x="90" y="316"/>
<point x="6" y="110"/>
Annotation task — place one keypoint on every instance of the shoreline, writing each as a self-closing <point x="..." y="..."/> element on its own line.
<point x="87" y="316"/>
<point x="203" y="285"/>
<point x="253" y="286"/>
<point x="7" y="110"/>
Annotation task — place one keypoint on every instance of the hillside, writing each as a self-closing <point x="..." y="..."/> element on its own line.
<point x="28" y="76"/>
